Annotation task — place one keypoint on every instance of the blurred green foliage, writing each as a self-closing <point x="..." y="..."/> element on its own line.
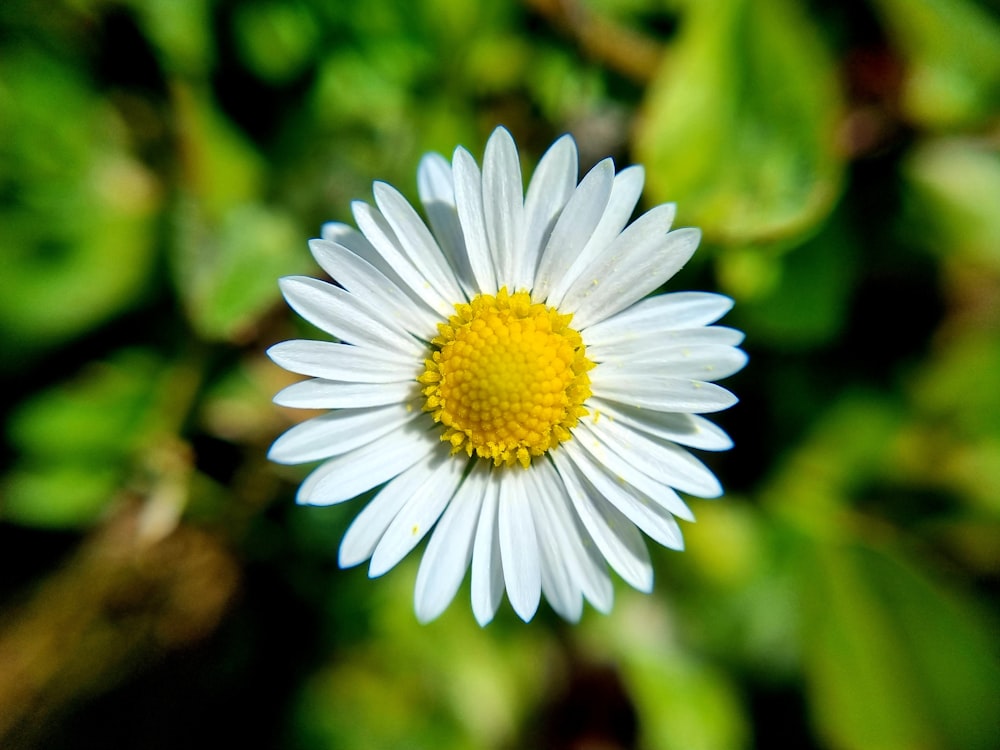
<point x="163" y="163"/>
<point x="748" y="139"/>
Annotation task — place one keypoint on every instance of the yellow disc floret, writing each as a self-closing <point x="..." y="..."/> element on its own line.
<point x="507" y="378"/>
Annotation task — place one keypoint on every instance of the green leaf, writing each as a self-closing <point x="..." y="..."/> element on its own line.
<point x="805" y="303"/>
<point x="891" y="660"/>
<point x="58" y="496"/>
<point x="222" y="169"/>
<point x="739" y="124"/>
<point x="952" y="388"/>
<point x="954" y="441"/>
<point x="952" y="48"/>
<point x="228" y="276"/>
<point x="76" y="212"/>
<point x="845" y="452"/>
<point x="181" y="32"/>
<point x="97" y="414"/>
<point x="954" y="184"/>
<point x="948" y="642"/>
<point x="448" y="684"/>
<point x="276" y="40"/>
<point x="684" y="705"/>
<point x="229" y="250"/>
<point x="683" y="702"/>
<point x="75" y="442"/>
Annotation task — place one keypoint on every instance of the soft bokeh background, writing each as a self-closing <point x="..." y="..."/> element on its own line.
<point x="163" y="162"/>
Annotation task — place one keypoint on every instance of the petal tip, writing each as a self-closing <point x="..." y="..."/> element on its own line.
<point x="483" y="617"/>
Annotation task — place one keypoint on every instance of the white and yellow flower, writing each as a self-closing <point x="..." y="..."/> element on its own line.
<point x="502" y="375"/>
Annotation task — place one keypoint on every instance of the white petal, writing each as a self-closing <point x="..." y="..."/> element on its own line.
<point x="349" y="237"/>
<point x="658" y="489"/>
<point x="652" y="338"/>
<point x="551" y="186"/>
<point x="615" y="536"/>
<point x="672" y="311"/>
<point x="382" y="237"/>
<point x="625" y="191"/>
<point x="503" y="205"/>
<point x="370" y="524"/>
<point x="417" y="241"/>
<point x="347" y="476"/>
<point x="558" y="586"/>
<point x="660" y="459"/>
<point x="357" y="243"/>
<point x="565" y="564"/>
<point x="696" y="362"/>
<point x="346" y="362"/>
<point x="659" y="391"/>
<point x="583" y="559"/>
<point x="643" y="257"/>
<point x="596" y="582"/>
<point x="317" y="393"/>
<point x="686" y="429"/>
<point x="361" y="278"/>
<point x="625" y="194"/>
<point x="658" y="524"/>
<point x="555" y="553"/>
<point x="518" y="545"/>
<point x="436" y="186"/>
<point x="574" y="227"/>
<point x="419" y="514"/>
<point x="663" y="461"/>
<point x="469" y="200"/>
<point x="487" y="567"/>
<point x="450" y="549"/>
<point x="345" y="316"/>
<point x="338" y="432"/>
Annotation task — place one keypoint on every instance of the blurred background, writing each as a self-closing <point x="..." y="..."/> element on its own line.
<point x="162" y="163"/>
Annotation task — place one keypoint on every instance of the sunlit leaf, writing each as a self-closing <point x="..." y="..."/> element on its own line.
<point x="955" y="183"/>
<point x="58" y="496"/>
<point x="739" y="125"/>
<point x="952" y="49"/>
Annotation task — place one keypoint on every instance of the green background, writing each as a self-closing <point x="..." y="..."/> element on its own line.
<point x="163" y="163"/>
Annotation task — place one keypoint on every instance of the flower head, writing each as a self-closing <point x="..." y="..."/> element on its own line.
<point x="500" y="373"/>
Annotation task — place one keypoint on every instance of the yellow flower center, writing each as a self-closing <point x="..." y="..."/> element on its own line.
<point x="506" y="378"/>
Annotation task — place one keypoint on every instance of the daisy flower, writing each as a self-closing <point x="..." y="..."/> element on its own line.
<point x="501" y="378"/>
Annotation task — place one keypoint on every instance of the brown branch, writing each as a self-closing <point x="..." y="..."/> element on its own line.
<point x="120" y="602"/>
<point x="624" y="50"/>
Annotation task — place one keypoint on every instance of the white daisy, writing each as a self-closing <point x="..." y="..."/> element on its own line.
<point x="504" y="380"/>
